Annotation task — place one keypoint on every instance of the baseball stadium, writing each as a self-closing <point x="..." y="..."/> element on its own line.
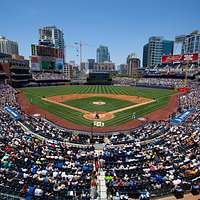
<point x="95" y="130"/>
<point x="92" y="135"/>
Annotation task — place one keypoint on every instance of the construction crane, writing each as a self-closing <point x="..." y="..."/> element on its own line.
<point x="80" y="45"/>
<point x="70" y="46"/>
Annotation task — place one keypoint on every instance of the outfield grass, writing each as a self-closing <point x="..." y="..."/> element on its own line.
<point x="110" y="104"/>
<point x="35" y="96"/>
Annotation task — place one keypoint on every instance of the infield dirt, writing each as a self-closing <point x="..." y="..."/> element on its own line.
<point x="138" y="101"/>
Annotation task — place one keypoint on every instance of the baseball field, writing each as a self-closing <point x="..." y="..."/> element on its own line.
<point x="112" y="105"/>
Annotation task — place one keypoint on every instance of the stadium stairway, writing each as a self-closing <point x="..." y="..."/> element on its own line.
<point x="102" y="190"/>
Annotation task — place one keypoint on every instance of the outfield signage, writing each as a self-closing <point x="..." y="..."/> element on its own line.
<point x="181" y="57"/>
<point x="182" y="117"/>
<point x="14" y="114"/>
<point x="184" y="89"/>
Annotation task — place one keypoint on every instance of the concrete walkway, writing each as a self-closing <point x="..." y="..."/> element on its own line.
<point x="102" y="189"/>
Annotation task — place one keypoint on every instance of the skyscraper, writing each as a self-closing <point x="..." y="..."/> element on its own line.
<point x="91" y="64"/>
<point x="103" y="54"/>
<point x="168" y="47"/>
<point x="145" y="55"/>
<point x="133" y="64"/>
<point x="155" y="49"/>
<point x="8" y="46"/>
<point x="52" y="36"/>
<point x="191" y="43"/>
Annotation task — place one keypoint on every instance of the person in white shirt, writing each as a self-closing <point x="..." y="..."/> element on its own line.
<point x="38" y="192"/>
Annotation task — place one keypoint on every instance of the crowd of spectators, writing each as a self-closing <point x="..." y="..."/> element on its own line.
<point x="7" y="95"/>
<point x="160" y="82"/>
<point x="150" y="82"/>
<point x="37" y="168"/>
<point x="157" y="158"/>
<point x="153" y="159"/>
<point x="49" y="76"/>
<point x="175" y="69"/>
<point x="191" y="100"/>
<point x="43" y="128"/>
<point x="8" y="98"/>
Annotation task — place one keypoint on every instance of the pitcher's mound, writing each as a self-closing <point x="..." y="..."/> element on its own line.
<point x="102" y="116"/>
<point x="98" y="103"/>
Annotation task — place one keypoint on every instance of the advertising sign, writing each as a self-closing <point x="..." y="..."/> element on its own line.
<point x="35" y="65"/>
<point x="182" y="117"/>
<point x="47" y="63"/>
<point x="59" y="64"/>
<point x="13" y="113"/>
<point x="184" y="89"/>
<point x="178" y="58"/>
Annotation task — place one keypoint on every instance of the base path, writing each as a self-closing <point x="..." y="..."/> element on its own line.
<point x="133" y="106"/>
<point x="63" y="98"/>
<point x="65" y="105"/>
<point x="160" y="114"/>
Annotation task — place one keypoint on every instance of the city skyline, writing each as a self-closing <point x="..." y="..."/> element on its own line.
<point x="122" y="26"/>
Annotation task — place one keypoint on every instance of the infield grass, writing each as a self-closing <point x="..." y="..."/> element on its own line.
<point x="110" y="104"/>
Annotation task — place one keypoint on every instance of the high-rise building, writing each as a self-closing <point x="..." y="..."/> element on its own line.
<point x="133" y="64"/>
<point x="122" y="68"/>
<point x="191" y="43"/>
<point x="8" y="46"/>
<point x="68" y="70"/>
<point x="103" y="54"/>
<point x="91" y="64"/>
<point x="168" y="47"/>
<point x="145" y="55"/>
<point x="83" y="67"/>
<point x="155" y="49"/>
<point x="52" y="36"/>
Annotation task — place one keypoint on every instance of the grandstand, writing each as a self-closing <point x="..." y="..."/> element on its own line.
<point x="16" y="68"/>
<point x="40" y="160"/>
<point x="173" y="67"/>
<point x="48" y="78"/>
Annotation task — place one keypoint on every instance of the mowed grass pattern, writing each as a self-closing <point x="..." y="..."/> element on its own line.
<point x="87" y="104"/>
<point x="35" y="96"/>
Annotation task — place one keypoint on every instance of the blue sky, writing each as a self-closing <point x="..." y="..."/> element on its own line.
<point x="123" y="25"/>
